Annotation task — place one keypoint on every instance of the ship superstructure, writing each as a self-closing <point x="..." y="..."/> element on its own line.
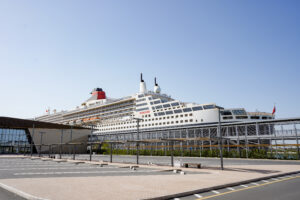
<point x="156" y="110"/>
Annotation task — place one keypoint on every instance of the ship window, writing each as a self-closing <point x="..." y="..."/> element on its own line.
<point x="158" y="107"/>
<point x="164" y="100"/>
<point x="168" y="122"/>
<point x="161" y="113"/>
<point x="241" y="117"/>
<point x="191" y="120"/>
<point x="156" y="102"/>
<point x="181" y="121"/>
<point x="141" y="104"/>
<point x="168" y="117"/>
<point x="169" y="112"/>
<point x="172" y="122"/>
<point x="175" y="104"/>
<point x="226" y="112"/>
<point x="151" y="103"/>
<point x="227" y="118"/>
<point x="155" y="114"/>
<point x="186" y="115"/>
<point x="181" y="115"/>
<point x="156" y="123"/>
<point x="167" y="105"/>
<point x="172" y="116"/>
<point x="178" y="111"/>
<point x="164" y="117"/>
<point x="186" y="120"/>
<point x="176" y="122"/>
<point x="139" y="100"/>
<point x="191" y="114"/>
<point x="239" y="112"/>
<point x="142" y="109"/>
<point x="254" y="117"/>
<point x="209" y="107"/>
<point x="187" y="110"/>
<point x="164" y="123"/>
<point x="264" y="117"/>
<point x="141" y="95"/>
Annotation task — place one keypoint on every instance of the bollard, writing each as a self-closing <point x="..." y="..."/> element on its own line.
<point x="111" y="149"/>
<point x="172" y="156"/>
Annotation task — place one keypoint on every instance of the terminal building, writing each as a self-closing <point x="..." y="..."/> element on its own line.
<point x="20" y="136"/>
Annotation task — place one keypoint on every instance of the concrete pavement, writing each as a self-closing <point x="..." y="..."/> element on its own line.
<point x="152" y="184"/>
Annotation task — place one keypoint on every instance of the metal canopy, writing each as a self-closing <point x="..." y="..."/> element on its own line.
<point x="17" y="123"/>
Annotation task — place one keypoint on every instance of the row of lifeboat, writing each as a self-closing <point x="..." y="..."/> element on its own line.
<point x="85" y="120"/>
<point x="90" y="119"/>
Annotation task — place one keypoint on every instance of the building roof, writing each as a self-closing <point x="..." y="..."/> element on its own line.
<point x="9" y="122"/>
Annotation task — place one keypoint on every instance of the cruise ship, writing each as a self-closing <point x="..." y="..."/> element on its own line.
<point x="156" y="110"/>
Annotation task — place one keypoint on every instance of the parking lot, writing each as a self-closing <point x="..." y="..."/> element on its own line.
<point x="166" y="160"/>
<point x="37" y="168"/>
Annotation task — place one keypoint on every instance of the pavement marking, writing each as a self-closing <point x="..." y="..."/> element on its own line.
<point x="230" y="188"/>
<point x="176" y="199"/>
<point x="265" y="181"/>
<point x="275" y="179"/>
<point x="255" y="183"/>
<point x="247" y="188"/>
<point x="19" y="192"/>
<point x="81" y="172"/>
<point x="216" y="192"/>
<point x="49" y="168"/>
<point x="198" y="195"/>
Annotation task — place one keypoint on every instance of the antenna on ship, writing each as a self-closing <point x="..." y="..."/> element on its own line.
<point x="156" y="87"/>
<point x="143" y="88"/>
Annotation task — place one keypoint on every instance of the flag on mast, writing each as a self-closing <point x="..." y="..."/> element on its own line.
<point x="274" y="110"/>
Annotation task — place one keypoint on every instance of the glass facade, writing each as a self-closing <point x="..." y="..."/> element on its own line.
<point x="13" y="140"/>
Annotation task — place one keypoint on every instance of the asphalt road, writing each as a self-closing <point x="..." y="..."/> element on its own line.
<point x="166" y="160"/>
<point x="5" y="195"/>
<point x="281" y="188"/>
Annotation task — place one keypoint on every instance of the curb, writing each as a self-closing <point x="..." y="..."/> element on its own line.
<point x="183" y="194"/>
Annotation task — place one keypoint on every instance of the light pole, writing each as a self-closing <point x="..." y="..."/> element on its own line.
<point x="31" y="142"/>
<point x="138" y="138"/>
<point x="41" y="143"/>
<point x="220" y="136"/>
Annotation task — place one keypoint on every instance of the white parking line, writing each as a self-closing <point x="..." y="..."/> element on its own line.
<point x="255" y="183"/>
<point x="198" y="195"/>
<point x="216" y="192"/>
<point x="245" y="186"/>
<point x="230" y="188"/>
<point x="81" y="172"/>
<point x="275" y="179"/>
<point x="48" y="168"/>
<point x="176" y="199"/>
<point x="265" y="181"/>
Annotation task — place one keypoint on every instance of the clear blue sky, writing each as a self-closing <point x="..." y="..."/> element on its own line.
<point x="234" y="53"/>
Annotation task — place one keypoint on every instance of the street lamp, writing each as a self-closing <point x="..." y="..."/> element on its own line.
<point x="41" y="142"/>
<point x="138" y="137"/>
<point x="220" y="136"/>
